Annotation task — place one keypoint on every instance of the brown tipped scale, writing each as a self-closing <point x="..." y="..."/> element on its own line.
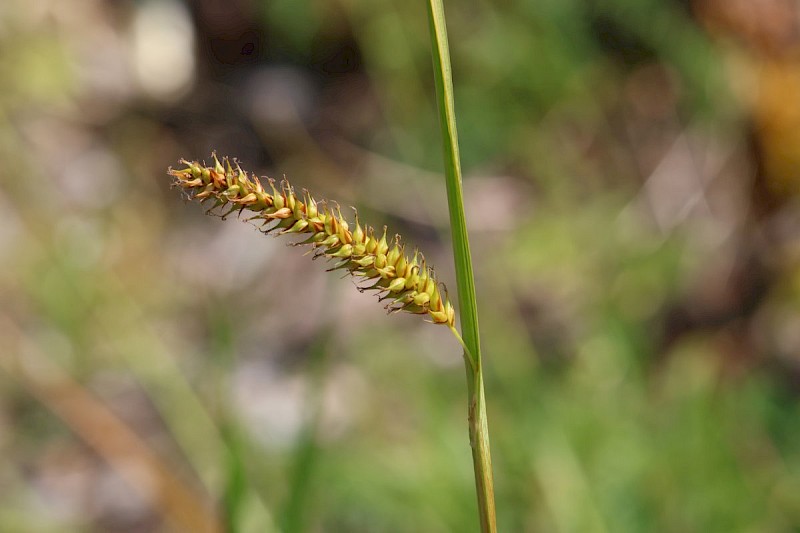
<point x="407" y="283"/>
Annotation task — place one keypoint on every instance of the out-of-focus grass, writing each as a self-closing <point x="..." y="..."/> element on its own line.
<point x="640" y="300"/>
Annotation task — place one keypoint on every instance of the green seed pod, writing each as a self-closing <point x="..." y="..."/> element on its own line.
<point x="393" y="255"/>
<point x="439" y="317"/>
<point x="430" y="285"/>
<point x="343" y="231"/>
<point x="263" y="199"/>
<point x="422" y="277"/>
<point x="421" y="298"/>
<point x="397" y="285"/>
<point x="297" y="227"/>
<point x="241" y="177"/>
<point x="311" y="207"/>
<point x="330" y="241"/>
<point x="278" y="201"/>
<point x="342" y="221"/>
<point x="248" y="200"/>
<point x="298" y="209"/>
<point x="191" y="183"/>
<point x="284" y="224"/>
<point x="281" y="213"/>
<point x="217" y="165"/>
<point x="386" y="272"/>
<point x="291" y="201"/>
<point x="411" y="265"/>
<point x="358" y="234"/>
<point x="345" y="251"/>
<point x="383" y="246"/>
<point x="331" y="225"/>
<point x="401" y="263"/>
<point x="365" y="261"/>
<point x="371" y="244"/>
<point x="412" y="277"/>
<point x="316" y="224"/>
<point x="436" y="300"/>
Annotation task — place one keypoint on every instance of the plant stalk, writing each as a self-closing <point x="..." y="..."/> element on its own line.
<point x="478" y="424"/>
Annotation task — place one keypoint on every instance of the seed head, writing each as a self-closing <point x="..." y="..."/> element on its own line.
<point x="407" y="283"/>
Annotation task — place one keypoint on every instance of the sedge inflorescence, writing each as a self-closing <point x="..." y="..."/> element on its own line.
<point x="406" y="282"/>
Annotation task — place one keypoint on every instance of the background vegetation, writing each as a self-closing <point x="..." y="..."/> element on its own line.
<point x="631" y="180"/>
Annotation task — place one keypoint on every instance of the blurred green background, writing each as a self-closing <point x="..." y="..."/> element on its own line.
<point x="631" y="175"/>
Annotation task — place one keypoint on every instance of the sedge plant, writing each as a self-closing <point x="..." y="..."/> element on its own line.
<point x="382" y="264"/>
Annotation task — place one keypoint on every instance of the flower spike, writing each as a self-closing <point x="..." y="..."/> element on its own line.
<point x="407" y="282"/>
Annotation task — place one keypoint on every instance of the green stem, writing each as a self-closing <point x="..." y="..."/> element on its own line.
<point x="478" y="426"/>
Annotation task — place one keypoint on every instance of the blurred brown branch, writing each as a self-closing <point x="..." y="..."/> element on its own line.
<point x="100" y="428"/>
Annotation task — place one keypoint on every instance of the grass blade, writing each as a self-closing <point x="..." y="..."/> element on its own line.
<point x="468" y="309"/>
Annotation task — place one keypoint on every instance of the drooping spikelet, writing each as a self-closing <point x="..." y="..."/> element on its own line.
<point x="406" y="282"/>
